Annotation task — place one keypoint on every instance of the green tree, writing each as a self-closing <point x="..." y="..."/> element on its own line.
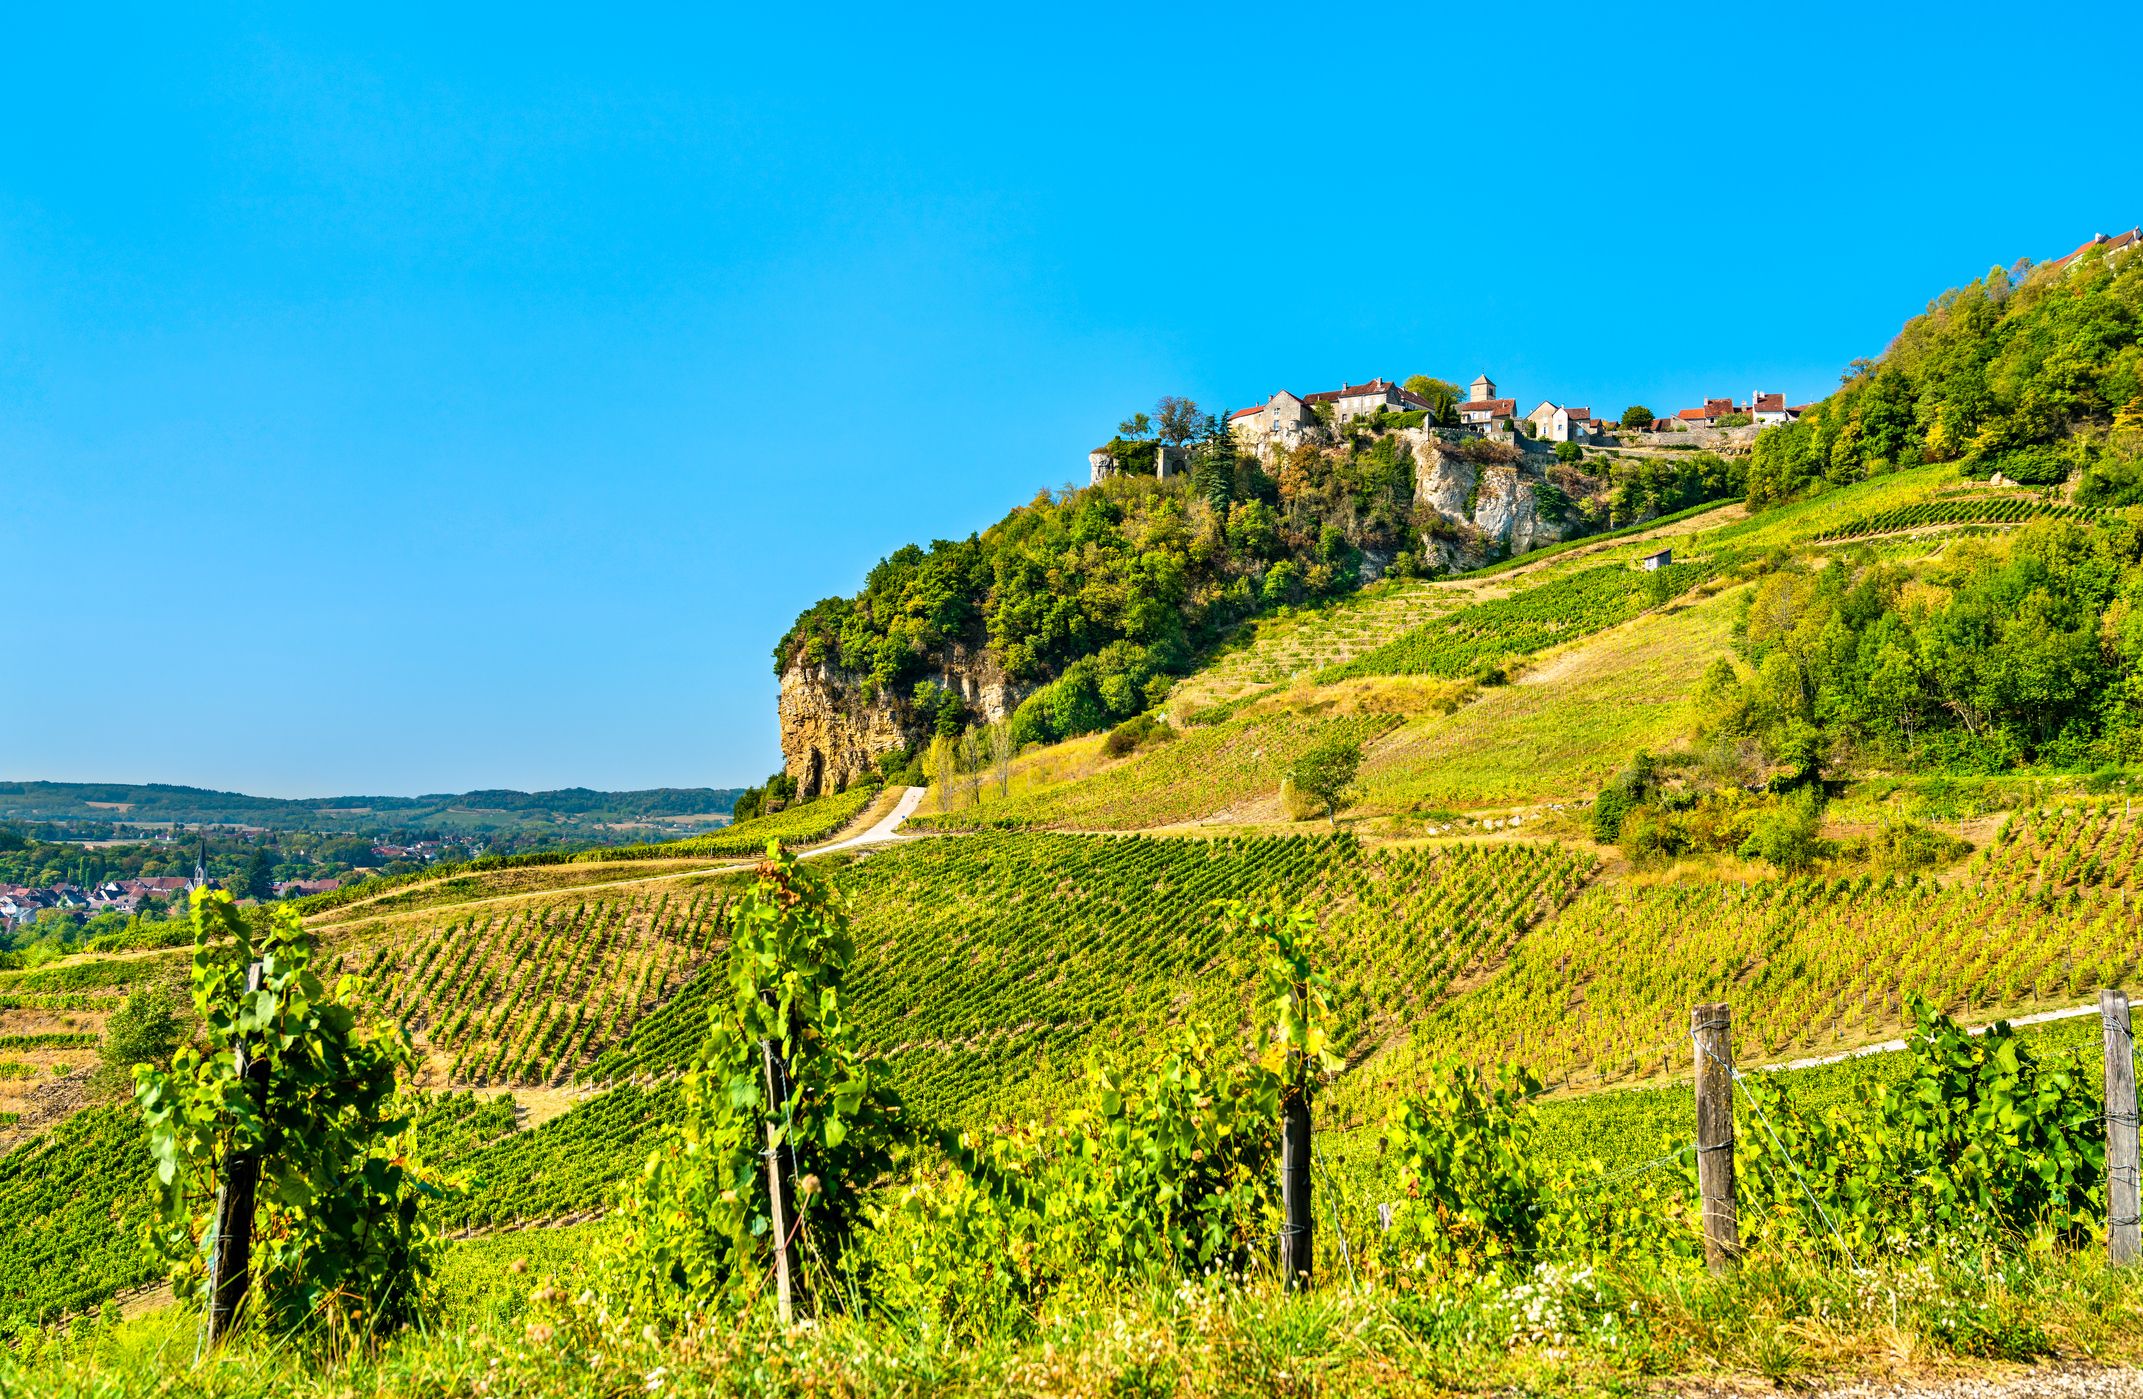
<point x="1326" y="774"/>
<point x="1636" y="416"/>
<point x="1213" y="469"/>
<point x="343" y="1243"/>
<point x="1136" y="426"/>
<point x="258" y="879"/>
<point x="1177" y="420"/>
<point x="144" y="1030"/>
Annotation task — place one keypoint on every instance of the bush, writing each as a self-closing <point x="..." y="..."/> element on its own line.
<point x="144" y="1030"/>
<point x="1325" y="774"/>
<point x="1786" y="837"/>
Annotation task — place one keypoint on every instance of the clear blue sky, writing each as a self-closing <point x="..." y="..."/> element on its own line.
<point x="423" y="402"/>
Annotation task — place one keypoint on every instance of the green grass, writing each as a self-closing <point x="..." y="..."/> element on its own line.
<point x="1776" y="1323"/>
<point x="1558" y="734"/>
<point x="1208" y="773"/>
<point x="807" y="824"/>
<point x="1554" y="551"/>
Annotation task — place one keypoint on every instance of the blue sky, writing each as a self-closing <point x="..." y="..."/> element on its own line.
<point x="414" y="402"/>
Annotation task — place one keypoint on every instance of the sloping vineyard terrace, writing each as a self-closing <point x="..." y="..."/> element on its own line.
<point x="989" y="967"/>
<point x="1981" y="510"/>
<point x="530" y="994"/>
<point x="1576" y="605"/>
<point x="1602" y="993"/>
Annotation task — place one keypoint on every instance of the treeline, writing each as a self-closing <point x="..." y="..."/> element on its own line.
<point x="1105" y="594"/>
<point x="1998" y="652"/>
<point x="2037" y="376"/>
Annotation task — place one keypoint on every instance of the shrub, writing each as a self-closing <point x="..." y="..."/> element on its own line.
<point x="1325" y="774"/>
<point x="144" y="1030"/>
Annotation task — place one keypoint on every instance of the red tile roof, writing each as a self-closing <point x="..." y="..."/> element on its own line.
<point x="1693" y="415"/>
<point x="1246" y="412"/>
<point x="1768" y="403"/>
<point x="1580" y="415"/>
<point x="2115" y="244"/>
<point x="1499" y="407"/>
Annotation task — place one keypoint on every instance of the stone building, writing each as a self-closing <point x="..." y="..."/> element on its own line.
<point x="1554" y="422"/>
<point x="1279" y="424"/>
<point x="1483" y="411"/>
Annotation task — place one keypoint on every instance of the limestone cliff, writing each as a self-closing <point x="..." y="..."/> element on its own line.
<point x="833" y="730"/>
<point x="1488" y="498"/>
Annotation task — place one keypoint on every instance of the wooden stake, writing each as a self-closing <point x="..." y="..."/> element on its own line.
<point x="2122" y="1206"/>
<point x="1711" y="1028"/>
<point x="1296" y="1236"/>
<point x="780" y="1176"/>
<point x="230" y="1253"/>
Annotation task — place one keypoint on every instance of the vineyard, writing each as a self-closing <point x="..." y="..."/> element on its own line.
<point x="1562" y="731"/>
<point x="63" y="1244"/>
<point x="532" y="994"/>
<point x="796" y="826"/>
<point x="1203" y="774"/>
<point x="1602" y="993"/>
<point x="1474" y="639"/>
<point x="1285" y="646"/>
<point x="989" y="962"/>
<point x="566" y="1167"/>
<point x="1970" y="510"/>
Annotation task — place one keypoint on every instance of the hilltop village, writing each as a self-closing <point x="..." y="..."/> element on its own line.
<point x="1289" y="420"/>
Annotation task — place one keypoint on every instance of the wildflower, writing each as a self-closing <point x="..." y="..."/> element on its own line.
<point x="540" y="1333"/>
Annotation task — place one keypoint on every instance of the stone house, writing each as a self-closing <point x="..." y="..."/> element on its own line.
<point x="1483" y="411"/>
<point x="1770" y="408"/>
<point x="2115" y="245"/>
<point x="1351" y="401"/>
<point x="1286" y="420"/>
<point x="1555" y="422"/>
<point x="1279" y="424"/>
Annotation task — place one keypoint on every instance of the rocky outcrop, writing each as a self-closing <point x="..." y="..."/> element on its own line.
<point x="834" y="730"/>
<point x="1506" y="512"/>
<point x="1491" y="505"/>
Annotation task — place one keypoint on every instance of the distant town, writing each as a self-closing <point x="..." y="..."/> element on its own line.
<point x="1288" y="420"/>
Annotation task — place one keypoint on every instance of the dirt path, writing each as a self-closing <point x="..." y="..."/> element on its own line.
<point x="2038" y="1382"/>
<point x="887" y="828"/>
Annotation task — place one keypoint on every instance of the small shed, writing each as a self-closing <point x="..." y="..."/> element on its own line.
<point x="1653" y="563"/>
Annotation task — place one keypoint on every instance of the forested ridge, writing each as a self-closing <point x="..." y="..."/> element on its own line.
<point x="2035" y="374"/>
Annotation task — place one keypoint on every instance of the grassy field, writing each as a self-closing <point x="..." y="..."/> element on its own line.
<point x="1223" y="771"/>
<point x="1563" y="728"/>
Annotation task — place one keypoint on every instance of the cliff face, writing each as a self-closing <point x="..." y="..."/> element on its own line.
<point x="1492" y="505"/>
<point x="832" y="734"/>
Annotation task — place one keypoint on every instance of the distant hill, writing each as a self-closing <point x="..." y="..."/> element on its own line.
<point x="572" y="809"/>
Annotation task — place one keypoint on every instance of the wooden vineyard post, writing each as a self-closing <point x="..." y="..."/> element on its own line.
<point x="1296" y="1236"/>
<point x="1710" y="1026"/>
<point x="780" y="1176"/>
<point x="230" y="1253"/>
<point x="2122" y="1205"/>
